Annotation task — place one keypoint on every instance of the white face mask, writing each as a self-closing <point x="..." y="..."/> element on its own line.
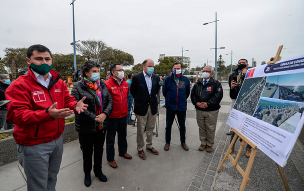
<point x="205" y="75"/>
<point x="120" y="75"/>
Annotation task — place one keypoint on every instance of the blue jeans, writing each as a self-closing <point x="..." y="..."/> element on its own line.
<point x="232" y="135"/>
<point x="130" y="103"/>
<point x="181" y="117"/>
<point x="119" y="125"/>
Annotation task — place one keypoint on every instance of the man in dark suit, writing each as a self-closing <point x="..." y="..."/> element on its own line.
<point x="145" y="87"/>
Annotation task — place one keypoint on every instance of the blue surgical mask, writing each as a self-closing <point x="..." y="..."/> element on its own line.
<point x="150" y="70"/>
<point x="7" y="81"/>
<point x="95" y="77"/>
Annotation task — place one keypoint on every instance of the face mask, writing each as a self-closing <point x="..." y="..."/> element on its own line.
<point x="177" y="72"/>
<point x="205" y="75"/>
<point x="7" y="81"/>
<point x="242" y="66"/>
<point x="41" y="69"/>
<point x="150" y="70"/>
<point x="95" y="77"/>
<point x="120" y="75"/>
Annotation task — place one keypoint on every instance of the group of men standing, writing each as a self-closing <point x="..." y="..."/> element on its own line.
<point x="144" y="88"/>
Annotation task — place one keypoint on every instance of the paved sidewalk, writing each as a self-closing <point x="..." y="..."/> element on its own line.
<point x="173" y="170"/>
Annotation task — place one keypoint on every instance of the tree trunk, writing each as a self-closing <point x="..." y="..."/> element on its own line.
<point x="13" y="69"/>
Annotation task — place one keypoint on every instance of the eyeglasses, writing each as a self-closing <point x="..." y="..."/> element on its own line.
<point x="207" y="71"/>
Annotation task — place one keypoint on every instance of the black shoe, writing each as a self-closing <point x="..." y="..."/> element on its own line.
<point x="229" y="133"/>
<point x="101" y="177"/>
<point x="87" y="180"/>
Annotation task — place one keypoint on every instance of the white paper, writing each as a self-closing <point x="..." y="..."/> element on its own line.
<point x="269" y="109"/>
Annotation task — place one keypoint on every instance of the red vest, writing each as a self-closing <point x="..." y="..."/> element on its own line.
<point x="119" y="95"/>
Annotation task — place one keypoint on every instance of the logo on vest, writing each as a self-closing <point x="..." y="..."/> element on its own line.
<point x="57" y="90"/>
<point x="38" y="96"/>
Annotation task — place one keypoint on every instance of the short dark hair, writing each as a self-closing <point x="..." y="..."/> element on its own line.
<point x="87" y="66"/>
<point x="130" y="76"/>
<point x="176" y="63"/>
<point x="145" y="61"/>
<point x="243" y="59"/>
<point x="37" y="47"/>
<point x="113" y="68"/>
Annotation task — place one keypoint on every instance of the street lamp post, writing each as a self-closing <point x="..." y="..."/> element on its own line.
<point x="74" y="43"/>
<point x="215" y="42"/>
<point x="183" y="54"/>
<point x="231" y="62"/>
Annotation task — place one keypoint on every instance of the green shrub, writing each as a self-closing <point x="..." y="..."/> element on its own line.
<point x="4" y="136"/>
<point x="69" y="120"/>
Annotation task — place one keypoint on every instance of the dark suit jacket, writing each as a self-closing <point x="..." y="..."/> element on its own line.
<point x="140" y="92"/>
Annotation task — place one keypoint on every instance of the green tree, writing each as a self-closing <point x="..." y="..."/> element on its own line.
<point x="64" y="63"/>
<point x="165" y="65"/>
<point x="15" y="60"/>
<point x="221" y="69"/>
<point x="117" y="56"/>
<point x="2" y="68"/>
<point x="198" y="68"/>
<point x="103" y="54"/>
<point x="127" y="72"/>
<point x="137" y="68"/>
<point x="263" y="62"/>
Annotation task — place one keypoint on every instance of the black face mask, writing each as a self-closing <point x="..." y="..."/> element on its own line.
<point x="242" y="66"/>
<point x="242" y="77"/>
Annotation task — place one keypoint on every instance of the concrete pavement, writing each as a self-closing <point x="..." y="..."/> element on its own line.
<point x="171" y="170"/>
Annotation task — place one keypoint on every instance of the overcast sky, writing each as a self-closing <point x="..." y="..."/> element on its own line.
<point x="145" y="29"/>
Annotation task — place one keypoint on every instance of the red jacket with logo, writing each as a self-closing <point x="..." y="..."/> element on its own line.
<point x="119" y="95"/>
<point x="28" y="108"/>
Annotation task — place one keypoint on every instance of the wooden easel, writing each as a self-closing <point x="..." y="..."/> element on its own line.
<point x="245" y="174"/>
<point x="244" y="142"/>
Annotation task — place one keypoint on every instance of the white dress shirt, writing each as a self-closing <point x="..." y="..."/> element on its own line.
<point x="148" y="81"/>
<point x="41" y="80"/>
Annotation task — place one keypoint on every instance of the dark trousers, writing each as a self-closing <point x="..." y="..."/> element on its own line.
<point x="92" y="142"/>
<point x="181" y="117"/>
<point x="3" y="120"/>
<point x="130" y="103"/>
<point x="232" y="135"/>
<point x="118" y="125"/>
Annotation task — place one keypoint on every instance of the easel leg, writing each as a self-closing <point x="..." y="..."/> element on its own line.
<point x="283" y="177"/>
<point x="248" y="168"/>
<point x="227" y="153"/>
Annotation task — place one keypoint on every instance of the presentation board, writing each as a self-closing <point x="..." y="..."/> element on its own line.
<point x="269" y="107"/>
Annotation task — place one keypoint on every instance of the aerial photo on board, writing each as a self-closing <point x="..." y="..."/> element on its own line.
<point x="280" y="113"/>
<point x="285" y="87"/>
<point x="249" y="95"/>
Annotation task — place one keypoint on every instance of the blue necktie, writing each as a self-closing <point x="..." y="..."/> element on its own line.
<point x="205" y="82"/>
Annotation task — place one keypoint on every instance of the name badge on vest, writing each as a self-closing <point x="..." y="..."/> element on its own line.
<point x="208" y="89"/>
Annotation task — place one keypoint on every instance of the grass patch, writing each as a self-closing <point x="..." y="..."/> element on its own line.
<point x="69" y="120"/>
<point x="4" y="136"/>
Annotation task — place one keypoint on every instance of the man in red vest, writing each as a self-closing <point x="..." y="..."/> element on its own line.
<point x="119" y="90"/>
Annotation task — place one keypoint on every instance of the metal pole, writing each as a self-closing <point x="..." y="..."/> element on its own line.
<point x="215" y="45"/>
<point x="182" y="55"/>
<point x="231" y="63"/>
<point x="74" y="43"/>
